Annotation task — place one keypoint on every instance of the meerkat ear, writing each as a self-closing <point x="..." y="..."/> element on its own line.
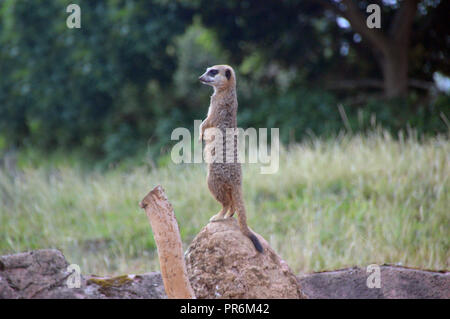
<point x="228" y="74"/>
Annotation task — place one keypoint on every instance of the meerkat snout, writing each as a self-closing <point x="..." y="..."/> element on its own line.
<point x="208" y="77"/>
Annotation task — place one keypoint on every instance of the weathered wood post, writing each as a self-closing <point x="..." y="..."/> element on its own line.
<point x="168" y="241"/>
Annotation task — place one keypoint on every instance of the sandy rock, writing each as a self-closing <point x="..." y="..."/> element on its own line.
<point x="44" y="274"/>
<point x="223" y="263"/>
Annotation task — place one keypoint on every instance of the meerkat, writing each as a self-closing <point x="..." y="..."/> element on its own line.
<point x="224" y="177"/>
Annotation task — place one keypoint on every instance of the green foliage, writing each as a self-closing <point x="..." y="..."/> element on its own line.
<point x="301" y="112"/>
<point x="296" y="112"/>
<point x="119" y="85"/>
<point x="84" y="87"/>
<point x="196" y="49"/>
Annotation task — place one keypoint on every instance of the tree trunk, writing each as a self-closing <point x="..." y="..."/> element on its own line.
<point x="394" y="65"/>
<point x="168" y="242"/>
<point x="390" y="46"/>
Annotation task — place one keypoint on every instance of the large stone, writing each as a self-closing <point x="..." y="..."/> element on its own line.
<point x="223" y="263"/>
<point x="395" y="282"/>
<point x="44" y="274"/>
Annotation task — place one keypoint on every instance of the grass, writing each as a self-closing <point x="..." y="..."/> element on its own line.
<point x="334" y="203"/>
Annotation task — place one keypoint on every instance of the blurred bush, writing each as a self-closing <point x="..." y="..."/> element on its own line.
<point x="119" y="85"/>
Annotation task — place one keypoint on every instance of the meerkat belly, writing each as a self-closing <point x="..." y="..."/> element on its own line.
<point x="221" y="154"/>
<point x="224" y="173"/>
<point x="221" y="144"/>
<point x="222" y="179"/>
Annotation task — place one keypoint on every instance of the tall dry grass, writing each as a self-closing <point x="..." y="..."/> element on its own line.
<point x="334" y="203"/>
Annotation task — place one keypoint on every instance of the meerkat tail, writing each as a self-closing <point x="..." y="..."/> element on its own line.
<point x="242" y="218"/>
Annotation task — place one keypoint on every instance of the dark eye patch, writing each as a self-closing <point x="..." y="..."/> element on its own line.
<point x="228" y="74"/>
<point x="213" y="72"/>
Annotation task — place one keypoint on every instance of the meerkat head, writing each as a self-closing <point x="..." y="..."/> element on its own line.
<point x="219" y="77"/>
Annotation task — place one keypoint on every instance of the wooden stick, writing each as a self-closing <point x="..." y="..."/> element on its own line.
<point x="168" y="242"/>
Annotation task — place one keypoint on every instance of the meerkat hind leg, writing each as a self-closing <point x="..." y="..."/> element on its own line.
<point x="221" y="215"/>
<point x="230" y="212"/>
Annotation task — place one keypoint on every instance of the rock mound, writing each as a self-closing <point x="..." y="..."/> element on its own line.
<point x="223" y="263"/>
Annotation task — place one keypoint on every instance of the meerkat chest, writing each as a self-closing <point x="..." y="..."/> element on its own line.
<point x="222" y="116"/>
<point x="210" y="110"/>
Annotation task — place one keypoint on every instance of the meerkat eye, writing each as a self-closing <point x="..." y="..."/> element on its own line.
<point x="213" y="72"/>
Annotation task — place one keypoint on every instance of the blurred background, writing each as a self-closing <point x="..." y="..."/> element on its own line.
<point x="130" y="73"/>
<point x="364" y="114"/>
